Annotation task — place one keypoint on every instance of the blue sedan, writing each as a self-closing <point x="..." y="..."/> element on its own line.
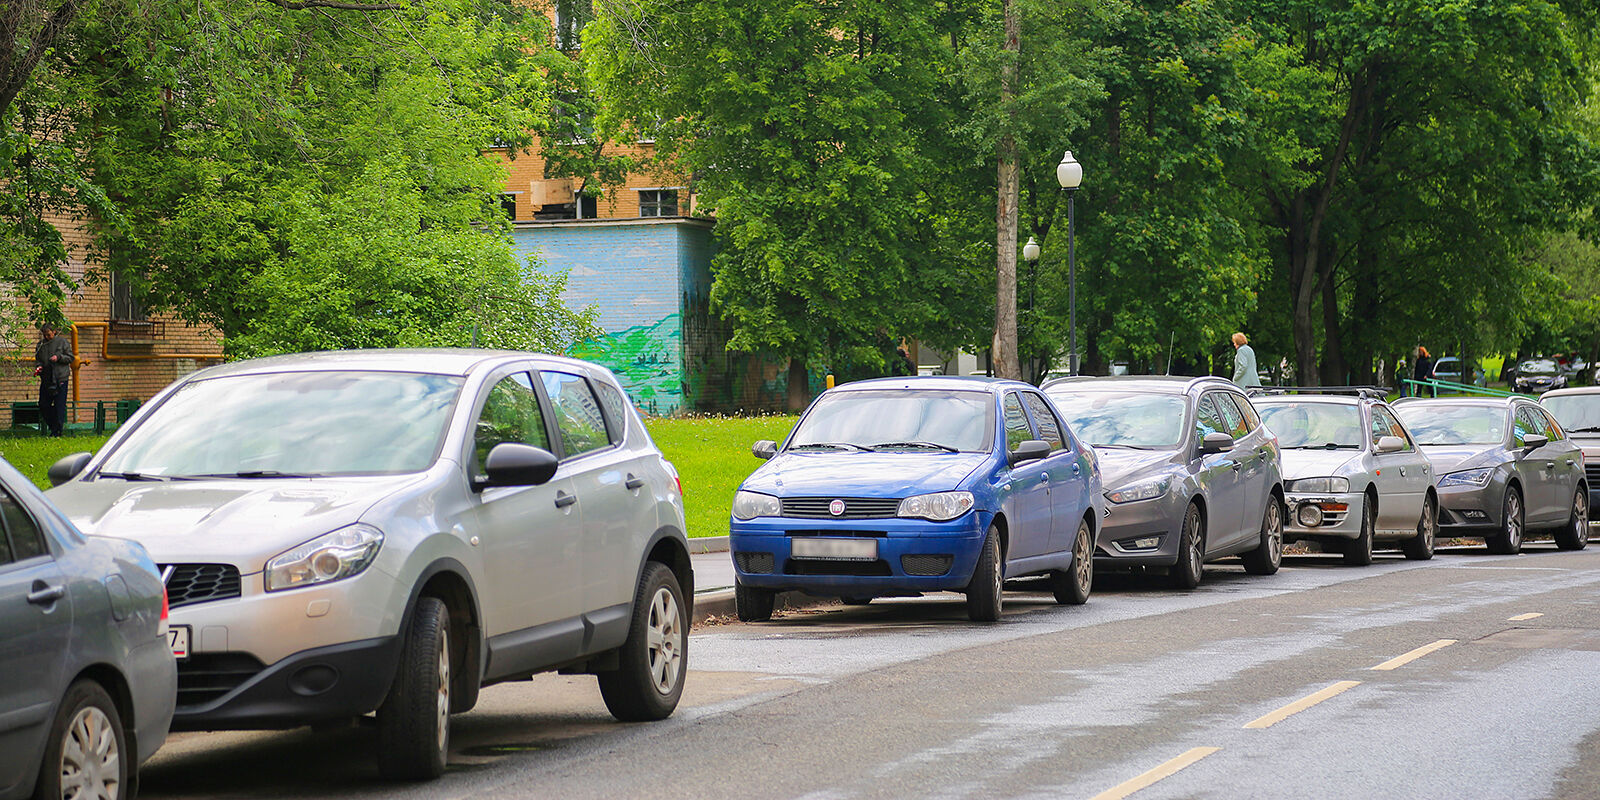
<point x="900" y="486"/>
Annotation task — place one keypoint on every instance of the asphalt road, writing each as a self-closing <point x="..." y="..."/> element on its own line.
<point x="1469" y="676"/>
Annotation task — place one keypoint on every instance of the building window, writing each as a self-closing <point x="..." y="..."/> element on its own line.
<point x="658" y="203"/>
<point x="508" y="201"/>
<point x="124" y="306"/>
<point x="571" y="16"/>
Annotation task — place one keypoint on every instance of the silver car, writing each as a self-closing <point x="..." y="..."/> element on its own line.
<point x="1353" y="474"/>
<point x="1503" y="466"/>
<point x="86" y="679"/>
<point x="1578" y="412"/>
<point x="390" y="530"/>
<point x="1191" y="474"/>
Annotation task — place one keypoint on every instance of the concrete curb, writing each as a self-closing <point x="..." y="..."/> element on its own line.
<point x="708" y="544"/>
<point x="720" y="603"/>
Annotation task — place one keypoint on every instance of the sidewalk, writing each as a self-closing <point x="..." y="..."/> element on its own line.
<point x="713" y="581"/>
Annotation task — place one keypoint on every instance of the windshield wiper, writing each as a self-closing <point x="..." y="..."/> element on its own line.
<point x="1324" y="446"/>
<point x="1124" y="446"/>
<point x="256" y="473"/>
<point x="131" y="476"/>
<point x="1590" y="429"/>
<point x="831" y="446"/>
<point x="917" y="445"/>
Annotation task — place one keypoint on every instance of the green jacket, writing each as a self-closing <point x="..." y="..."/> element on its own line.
<point x="1244" y="367"/>
<point x="61" y="369"/>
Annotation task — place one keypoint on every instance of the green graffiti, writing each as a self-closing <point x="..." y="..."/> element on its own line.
<point x="646" y="359"/>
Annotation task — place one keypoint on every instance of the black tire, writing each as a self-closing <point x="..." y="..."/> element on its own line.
<point x="1072" y="586"/>
<point x="856" y="601"/>
<point x="753" y="604"/>
<point x="1508" y="540"/>
<point x="1420" y="547"/>
<point x="1185" y="574"/>
<point x="97" y="764"/>
<point x="1265" y="559"/>
<point x="1575" y="534"/>
<point x="1358" y="551"/>
<point x="988" y="579"/>
<point x="414" y="720"/>
<point x="655" y="656"/>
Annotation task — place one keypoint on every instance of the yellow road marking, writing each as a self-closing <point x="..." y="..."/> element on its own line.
<point x="1302" y="704"/>
<point x="1166" y="770"/>
<point x="1521" y="617"/>
<point x="1402" y="660"/>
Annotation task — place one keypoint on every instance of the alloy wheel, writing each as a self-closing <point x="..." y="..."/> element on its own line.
<point x="90" y="767"/>
<point x="664" y="640"/>
<point x="1083" y="558"/>
<point x="442" y="712"/>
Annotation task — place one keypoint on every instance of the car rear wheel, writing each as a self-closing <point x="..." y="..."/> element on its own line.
<point x="988" y="578"/>
<point x="1264" y="560"/>
<point x="1508" y="541"/>
<point x="650" y="680"/>
<point x="1072" y="586"/>
<point x="1575" y="534"/>
<point x="86" y="755"/>
<point x="855" y="601"/>
<point x="1358" y="551"/>
<point x="753" y="604"/>
<point x="414" y="720"/>
<point x="1420" y="547"/>
<point x="1185" y="574"/>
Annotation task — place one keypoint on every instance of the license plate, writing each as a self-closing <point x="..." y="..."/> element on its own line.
<point x="841" y="549"/>
<point x="178" y="638"/>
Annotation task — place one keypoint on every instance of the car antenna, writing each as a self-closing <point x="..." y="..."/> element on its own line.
<point x="1171" y="337"/>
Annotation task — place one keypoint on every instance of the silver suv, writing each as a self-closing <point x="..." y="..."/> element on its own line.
<point x="388" y="531"/>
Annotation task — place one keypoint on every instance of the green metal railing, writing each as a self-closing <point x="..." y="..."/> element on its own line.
<point x="1437" y="387"/>
<point x="108" y="415"/>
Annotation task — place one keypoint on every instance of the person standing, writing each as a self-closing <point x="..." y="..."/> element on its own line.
<point x="1244" y="362"/>
<point x="1422" y="369"/>
<point x="54" y="357"/>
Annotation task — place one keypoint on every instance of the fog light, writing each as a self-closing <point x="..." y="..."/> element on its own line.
<point x="1310" y="516"/>
<point x="1142" y="543"/>
<point x="1474" y="515"/>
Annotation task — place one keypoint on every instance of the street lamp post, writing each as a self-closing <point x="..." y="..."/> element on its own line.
<point x="1069" y="173"/>
<point x="1030" y="254"/>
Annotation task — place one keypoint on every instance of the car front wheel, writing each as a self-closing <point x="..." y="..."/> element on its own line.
<point x="414" y="720"/>
<point x="1420" y="547"/>
<point x="1358" y="551"/>
<point x="1508" y="540"/>
<point x="1264" y="560"/>
<point x="1185" y="574"/>
<point x="988" y="579"/>
<point x="1575" y="534"/>
<point x="1072" y="586"/>
<point x="86" y="755"/>
<point x="650" y="681"/>
<point x="753" y="604"/>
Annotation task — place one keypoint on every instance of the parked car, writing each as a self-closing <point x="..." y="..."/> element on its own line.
<point x="1503" y="466"/>
<point x="1352" y="474"/>
<point x="1536" y="375"/>
<point x="1577" y="410"/>
<point x="1448" y="368"/>
<point x="902" y="486"/>
<point x="86" y="677"/>
<point x="1191" y="474"/>
<point x="390" y="530"/>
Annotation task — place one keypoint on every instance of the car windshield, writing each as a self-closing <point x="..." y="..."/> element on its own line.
<point x="1313" y="425"/>
<point x="1445" y="423"/>
<point x="1578" y="413"/>
<point x="909" y="419"/>
<point x="291" y="424"/>
<point x="1538" y="366"/>
<point x="1123" y="419"/>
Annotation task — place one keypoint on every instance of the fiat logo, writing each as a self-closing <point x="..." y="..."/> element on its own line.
<point x="836" y="507"/>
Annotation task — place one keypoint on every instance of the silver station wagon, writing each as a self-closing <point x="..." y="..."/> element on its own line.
<point x="388" y="531"/>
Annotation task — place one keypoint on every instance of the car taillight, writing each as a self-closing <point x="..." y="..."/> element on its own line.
<point x="161" y="629"/>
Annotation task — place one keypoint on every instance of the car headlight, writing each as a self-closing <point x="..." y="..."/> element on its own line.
<point x="1148" y="490"/>
<point x="1320" y="485"/>
<point x="939" y="506"/>
<point x="330" y="557"/>
<point x="749" y="505"/>
<point x="1468" y="477"/>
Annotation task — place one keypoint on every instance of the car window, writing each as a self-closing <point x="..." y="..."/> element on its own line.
<point x="1231" y="415"/>
<point x="577" y="412"/>
<point x="1579" y="413"/>
<point x="1384" y="424"/>
<point x="1122" y="419"/>
<point x="510" y="414"/>
<point x="1249" y="410"/>
<point x="616" y="410"/>
<point x="1049" y="426"/>
<point x="1017" y="430"/>
<point x="1208" y="418"/>
<point x="1448" y="422"/>
<point x="1313" y="424"/>
<point x="1525" y="424"/>
<point x="1551" y="427"/>
<point x="26" y="540"/>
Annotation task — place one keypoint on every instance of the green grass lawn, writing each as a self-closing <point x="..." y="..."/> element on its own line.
<point x="712" y="455"/>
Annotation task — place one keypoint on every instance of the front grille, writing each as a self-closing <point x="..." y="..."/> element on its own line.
<point x="200" y="583"/>
<point x="926" y="564"/>
<point x="754" y="563"/>
<point x="854" y="507"/>
<point x="1592" y="472"/>
<point x="205" y="677"/>
<point x="806" y="566"/>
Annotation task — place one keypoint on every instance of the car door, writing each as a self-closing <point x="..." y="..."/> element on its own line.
<point x="36" y="617"/>
<point x="1067" y="494"/>
<point x="1030" y="518"/>
<point x="1402" y="477"/>
<point x="1535" y="467"/>
<point x="1221" y="476"/>
<point x="1568" y="459"/>
<point x="530" y="537"/>
<point x="1254" y="454"/>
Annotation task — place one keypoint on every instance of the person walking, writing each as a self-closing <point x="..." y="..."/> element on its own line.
<point x="1244" y="362"/>
<point x="1421" y="369"/>
<point x="54" y="359"/>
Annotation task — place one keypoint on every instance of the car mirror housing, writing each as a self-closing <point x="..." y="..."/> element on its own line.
<point x="1534" y="441"/>
<point x="1389" y="444"/>
<point x="1030" y="450"/>
<point x="68" y="468"/>
<point x="1215" y="443"/>
<point x="514" y="464"/>
<point x="764" y="449"/>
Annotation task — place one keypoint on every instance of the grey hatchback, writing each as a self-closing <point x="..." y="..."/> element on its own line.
<point x="86" y="677"/>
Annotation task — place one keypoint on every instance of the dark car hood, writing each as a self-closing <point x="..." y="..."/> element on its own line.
<point x="1120" y="466"/>
<point x="1454" y="457"/>
<point x="842" y="474"/>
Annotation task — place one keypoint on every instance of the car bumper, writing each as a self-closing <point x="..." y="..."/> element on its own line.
<point x="1471" y="510"/>
<point x="326" y="683"/>
<point x="152" y="686"/>
<point x="1340" y="514"/>
<point x="1126" y="524"/>
<point x="912" y="555"/>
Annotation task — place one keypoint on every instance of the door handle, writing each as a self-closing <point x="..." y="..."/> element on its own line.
<point x="44" y="594"/>
<point x="1076" y="469"/>
<point x="633" y="481"/>
<point x="563" y="499"/>
<point x="1549" y="465"/>
<point x="1237" y="466"/>
<point x="1045" y="478"/>
<point x="1402" y="472"/>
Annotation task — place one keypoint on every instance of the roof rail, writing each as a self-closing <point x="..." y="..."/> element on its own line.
<point x="1206" y="379"/>
<point x="1364" y="392"/>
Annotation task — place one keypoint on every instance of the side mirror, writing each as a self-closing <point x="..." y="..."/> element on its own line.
<point x="1215" y="443"/>
<point x="67" y="468"/>
<point x="764" y="449"/>
<point x="1534" y="441"/>
<point x="1389" y="444"/>
<point x="513" y="464"/>
<point x="1030" y="450"/>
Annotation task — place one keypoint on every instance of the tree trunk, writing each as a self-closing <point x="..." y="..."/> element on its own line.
<point x="799" y="389"/>
<point x="1005" y="310"/>
<point x="1334" y="370"/>
<point x="1302" y="283"/>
